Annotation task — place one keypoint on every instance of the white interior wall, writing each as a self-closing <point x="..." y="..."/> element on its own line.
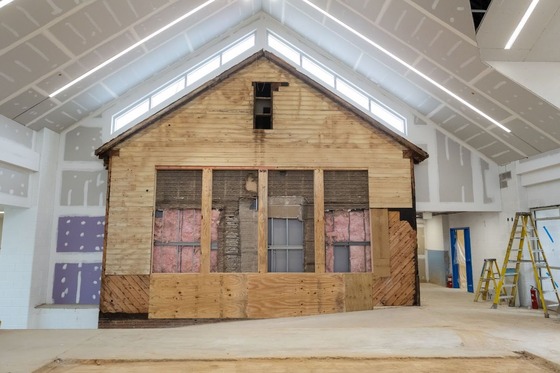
<point x="433" y="233"/>
<point x="16" y="261"/>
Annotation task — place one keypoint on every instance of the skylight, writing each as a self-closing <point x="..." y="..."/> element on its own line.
<point x="341" y="85"/>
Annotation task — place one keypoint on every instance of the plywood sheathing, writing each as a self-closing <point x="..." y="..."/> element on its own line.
<point x="125" y="294"/>
<point x="262" y="295"/>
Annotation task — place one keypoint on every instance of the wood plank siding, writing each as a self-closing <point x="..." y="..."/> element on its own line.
<point x="212" y="129"/>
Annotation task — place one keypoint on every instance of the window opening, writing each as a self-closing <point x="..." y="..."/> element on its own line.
<point x="178" y="221"/>
<point x="347" y="222"/>
<point x="262" y="105"/>
<point x="285" y="245"/>
<point x="262" y="109"/>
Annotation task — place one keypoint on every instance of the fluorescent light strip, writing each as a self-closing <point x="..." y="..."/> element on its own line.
<point x="521" y="24"/>
<point x="3" y="3"/>
<point x="152" y="35"/>
<point x="405" y="64"/>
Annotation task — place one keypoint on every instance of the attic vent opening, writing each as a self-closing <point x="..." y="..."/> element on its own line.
<point x="262" y="93"/>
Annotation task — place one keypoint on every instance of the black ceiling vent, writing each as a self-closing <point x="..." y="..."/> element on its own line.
<point x="478" y="9"/>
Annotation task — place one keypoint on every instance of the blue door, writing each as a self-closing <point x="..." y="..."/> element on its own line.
<point x="461" y="253"/>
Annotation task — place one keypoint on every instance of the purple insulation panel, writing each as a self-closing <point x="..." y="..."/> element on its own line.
<point x="77" y="283"/>
<point x="65" y="287"/>
<point x="80" y="234"/>
<point x="90" y="284"/>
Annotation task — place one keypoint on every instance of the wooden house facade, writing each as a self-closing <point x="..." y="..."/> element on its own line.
<point x="260" y="194"/>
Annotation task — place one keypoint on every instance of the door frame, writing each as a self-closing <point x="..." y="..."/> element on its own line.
<point x="468" y="258"/>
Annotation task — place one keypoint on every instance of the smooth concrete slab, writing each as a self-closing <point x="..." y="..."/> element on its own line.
<point x="448" y="324"/>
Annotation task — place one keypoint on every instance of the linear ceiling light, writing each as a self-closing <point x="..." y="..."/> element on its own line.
<point x="3" y="3"/>
<point x="410" y="67"/>
<point x="521" y="24"/>
<point x="152" y="35"/>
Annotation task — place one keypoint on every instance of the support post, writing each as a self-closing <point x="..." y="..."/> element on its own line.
<point x="262" y="235"/>
<point x="319" y="221"/>
<point x="206" y="224"/>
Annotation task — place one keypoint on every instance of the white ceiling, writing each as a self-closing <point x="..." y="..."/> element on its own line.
<point x="45" y="44"/>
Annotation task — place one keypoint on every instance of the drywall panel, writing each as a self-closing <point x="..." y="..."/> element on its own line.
<point x="83" y="188"/>
<point x="14" y="181"/>
<point x="454" y="164"/>
<point x="81" y="142"/>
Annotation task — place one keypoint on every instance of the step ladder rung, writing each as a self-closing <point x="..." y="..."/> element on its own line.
<point x="550" y="291"/>
<point x="544" y="278"/>
<point x="526" y="261"/>
<point x="553" y="305"/>
<point x="506" y="297"/>
<point x="508" y="285"/>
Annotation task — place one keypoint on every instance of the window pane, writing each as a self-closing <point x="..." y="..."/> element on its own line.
<point x="547" y="213"/>
<point x="295" y="232"/>
<point x="387" y="116"/>
<point x="279" y="234"/>
<point x="170" y="90"/>
<point x="318" y="71"/>
<point x="287" y="51"/>
<point x="237" y="49"/>
<point x="341" y="259"/>
<point x="203" y="70"/>
<point x="278" y="261"/>
<point x="295" y="260"/>
<point x="352" y="93"/>
<point x="130" y="115"/>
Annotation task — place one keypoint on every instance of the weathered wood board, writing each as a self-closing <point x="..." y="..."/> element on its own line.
<point x="126" y="294"/>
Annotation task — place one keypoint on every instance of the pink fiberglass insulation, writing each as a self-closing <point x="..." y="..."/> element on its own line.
<point x="360" y="259"/>
<point x="158" y="228"/>
<point x="190" y="259"/>
<point x="341" y="223"/>
<point x="165" y="259"/>
<point x="329" y="258"/>
<point x="190" y="227"/>
<point x="360" y="256"/>
<point x="171" y="225"/>
<point x="329" y="227"/>
<point x="343" y="226"/>
<point x="357" y="226"/>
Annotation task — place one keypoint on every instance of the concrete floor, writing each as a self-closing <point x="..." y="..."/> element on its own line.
<point x="448" y="324"/>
